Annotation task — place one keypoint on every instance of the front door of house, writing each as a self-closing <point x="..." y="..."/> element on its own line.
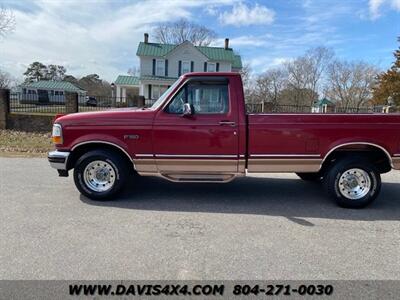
<point x="43" y="96"/>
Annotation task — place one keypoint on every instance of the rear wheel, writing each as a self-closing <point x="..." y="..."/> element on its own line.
<point x="100" y="174"/>
<point x="310" y="176"/>
<point x="353" y="183"/>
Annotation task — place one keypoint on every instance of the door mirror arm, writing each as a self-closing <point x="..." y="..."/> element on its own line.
<point x="188" y="110"/>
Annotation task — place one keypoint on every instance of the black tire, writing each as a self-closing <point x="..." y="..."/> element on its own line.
<point x="114" y="160"/>
<point x="310" y="176"/>
<point x="333" y="186"/>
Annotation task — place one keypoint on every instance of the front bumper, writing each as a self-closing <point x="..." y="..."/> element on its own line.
<point x="58" y="160"/>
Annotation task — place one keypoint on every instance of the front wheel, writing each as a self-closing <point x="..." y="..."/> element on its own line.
<point x="100" y="174"/>
<point x="353" y="183"/>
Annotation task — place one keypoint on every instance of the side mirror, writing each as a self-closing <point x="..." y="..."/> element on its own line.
<point x="188" y="110"/>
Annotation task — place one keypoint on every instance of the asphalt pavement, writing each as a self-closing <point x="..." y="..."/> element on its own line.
<point x="273" y="226"/>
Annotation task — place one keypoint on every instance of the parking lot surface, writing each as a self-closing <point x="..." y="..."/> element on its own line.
<point x="273" y="226"/>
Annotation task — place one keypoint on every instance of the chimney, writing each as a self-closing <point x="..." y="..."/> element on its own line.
<point x="226" y="43"/>
<point x="146" y="38"/>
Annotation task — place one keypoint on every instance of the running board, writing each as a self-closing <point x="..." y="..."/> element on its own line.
<point x="222" y="178"/>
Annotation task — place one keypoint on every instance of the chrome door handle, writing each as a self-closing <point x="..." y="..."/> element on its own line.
<point x="227" y="123"/>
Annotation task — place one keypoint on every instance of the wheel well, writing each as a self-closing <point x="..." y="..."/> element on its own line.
<point x="80" y="150"/>
<point x="374" y="154"/>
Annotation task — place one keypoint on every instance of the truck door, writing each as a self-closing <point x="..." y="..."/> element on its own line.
<point x="205" y="142"/>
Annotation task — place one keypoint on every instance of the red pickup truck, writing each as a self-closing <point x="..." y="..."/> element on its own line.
<point x="199" y="131"/>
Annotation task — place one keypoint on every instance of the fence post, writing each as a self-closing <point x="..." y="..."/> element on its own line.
<point x="140" y="101"/>
<point x="4" y="107"/>
<point x="71" y="102"/>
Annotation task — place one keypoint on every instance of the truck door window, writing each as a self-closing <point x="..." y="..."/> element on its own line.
<point x="206" y="98"/>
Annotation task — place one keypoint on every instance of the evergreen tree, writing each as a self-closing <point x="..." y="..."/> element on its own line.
<point x="389" y="83"/>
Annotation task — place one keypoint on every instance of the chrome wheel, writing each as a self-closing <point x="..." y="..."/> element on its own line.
<point x="99" y="176"/>
<point x="354" y="184"/>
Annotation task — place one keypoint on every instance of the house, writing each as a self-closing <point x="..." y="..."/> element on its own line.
<point x="49" y="92"/>
<point x="323" y="106"/>
<point x="126" y="86"/>
<point x="162" y="64"/>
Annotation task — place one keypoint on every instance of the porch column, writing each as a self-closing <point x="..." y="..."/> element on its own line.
<point x="118" y="92"/>
<point x="124" y="94"/>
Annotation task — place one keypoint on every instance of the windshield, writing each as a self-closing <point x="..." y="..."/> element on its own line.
<point x="164" y="95"/>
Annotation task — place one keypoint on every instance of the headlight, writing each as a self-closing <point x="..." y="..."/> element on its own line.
<point x="56" y="135"/>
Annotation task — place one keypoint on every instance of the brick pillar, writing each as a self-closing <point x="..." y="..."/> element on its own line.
<point x="4" y="107"/>
<point x="71" y="102"/>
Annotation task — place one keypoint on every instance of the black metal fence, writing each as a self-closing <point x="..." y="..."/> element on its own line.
<point x="95" y="103"/>
<point x="270" y="108"/>
<point x="32" y="103"/>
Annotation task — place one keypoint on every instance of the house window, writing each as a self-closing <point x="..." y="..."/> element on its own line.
<point x="58" y="93"/>
<point x="157" y="91"/>
<point x="160" y="67"/>
<point x="211" y="67"/>
<point x="185" y="67"/>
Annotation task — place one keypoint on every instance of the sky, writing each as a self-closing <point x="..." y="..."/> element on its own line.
<point x="88" y="36"/>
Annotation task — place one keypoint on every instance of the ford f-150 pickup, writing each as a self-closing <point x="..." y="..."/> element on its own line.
<point x="199" y="131"/>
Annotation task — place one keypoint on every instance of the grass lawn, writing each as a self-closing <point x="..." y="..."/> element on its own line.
<point x="24" y="143"/>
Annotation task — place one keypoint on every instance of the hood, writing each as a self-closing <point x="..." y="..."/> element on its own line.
<point x="118" y="116"/>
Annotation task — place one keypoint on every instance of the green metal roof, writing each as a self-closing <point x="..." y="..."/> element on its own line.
<point x="154" y="49"/>
<point x="212" y="53"/>
<point x="237" y="62"/>
<point x="324" y="101"/>
<point x="127" y="80"/>
<point x="215" y="53"/>
<point x="53" y="85"/>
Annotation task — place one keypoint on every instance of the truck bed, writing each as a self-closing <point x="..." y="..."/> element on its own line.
<point x="303" y="140"/>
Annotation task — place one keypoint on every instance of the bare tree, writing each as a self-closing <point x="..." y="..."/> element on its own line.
<point x="305" y="73"/>
<point x="318" y="59"/>
<point x="183" y="30"/>
<point x="5" y="80"/>
<point x="246" y="73"/>
<point x="270" y="85"/>
<point x="7" y="21"/>
<point x="134" y="71"/>
<point x="350" y="83"/>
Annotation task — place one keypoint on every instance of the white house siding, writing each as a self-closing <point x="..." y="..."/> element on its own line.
<point x="146" y="65"/>
<point x="183" y="52"/>
<point x="225" y="66"/>
<point x="31" y="95"/>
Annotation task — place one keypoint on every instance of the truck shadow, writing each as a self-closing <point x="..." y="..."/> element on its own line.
<point x="287" y="197"/>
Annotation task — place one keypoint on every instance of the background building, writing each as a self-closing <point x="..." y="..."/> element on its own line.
<point x="162" y="64"/>
<point x="48" y="91"/>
